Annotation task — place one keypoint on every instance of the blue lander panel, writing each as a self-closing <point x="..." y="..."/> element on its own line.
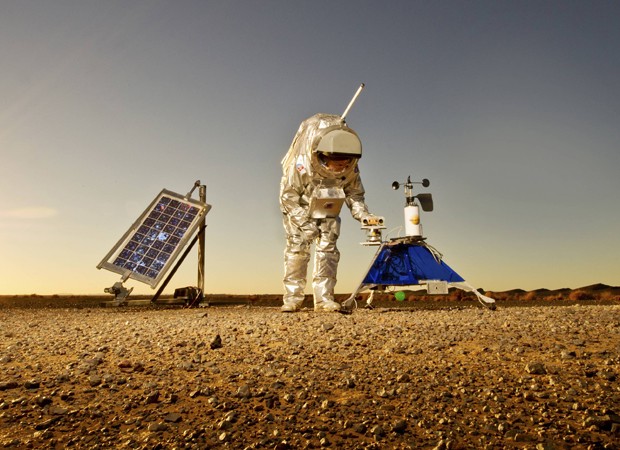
<point x="406" y="265"/>
<point x="154" y="241"/>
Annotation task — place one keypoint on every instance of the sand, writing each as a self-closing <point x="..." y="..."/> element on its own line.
<point x="245" y="376"/>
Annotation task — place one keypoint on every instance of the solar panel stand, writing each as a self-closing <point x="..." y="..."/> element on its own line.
<point x="201" y="246"/>
<point x="178" y="264"/>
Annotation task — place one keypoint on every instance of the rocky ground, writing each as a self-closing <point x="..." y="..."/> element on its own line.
<point x="246" y="376"/>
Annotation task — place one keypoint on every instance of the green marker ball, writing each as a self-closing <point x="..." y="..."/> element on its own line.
<point x="400" y="296"/>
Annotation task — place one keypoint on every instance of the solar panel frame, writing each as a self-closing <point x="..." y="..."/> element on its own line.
<point x="151" y="245"/>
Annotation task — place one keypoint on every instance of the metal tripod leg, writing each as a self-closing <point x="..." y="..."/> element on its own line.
<point x="483" y="299"/>
<point x="178" y="264"/>
<point x="350" y="303"/>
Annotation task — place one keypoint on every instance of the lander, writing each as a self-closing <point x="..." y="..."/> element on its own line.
<point x="409" y="261"/>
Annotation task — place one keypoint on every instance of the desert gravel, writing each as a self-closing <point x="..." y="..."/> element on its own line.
<point x="252" y="377"/>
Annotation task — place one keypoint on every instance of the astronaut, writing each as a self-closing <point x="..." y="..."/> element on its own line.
<point x="320" y="173"/>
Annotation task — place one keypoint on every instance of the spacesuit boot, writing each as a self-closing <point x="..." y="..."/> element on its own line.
<point x="295" y="270"/>
<point x="324" y="281"/>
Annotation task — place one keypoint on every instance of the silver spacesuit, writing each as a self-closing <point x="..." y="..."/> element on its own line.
<point x="320" y="173"/>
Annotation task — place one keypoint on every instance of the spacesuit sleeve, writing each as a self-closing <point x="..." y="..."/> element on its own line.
<point x="354" y="192"/>
<point x="291" y="199"/>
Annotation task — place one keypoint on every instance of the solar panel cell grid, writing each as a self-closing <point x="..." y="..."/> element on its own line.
<point x="163" y="225"/>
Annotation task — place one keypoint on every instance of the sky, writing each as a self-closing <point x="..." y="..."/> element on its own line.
<point x="510" y="109"/>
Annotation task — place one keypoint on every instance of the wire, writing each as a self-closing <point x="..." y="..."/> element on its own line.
<point x="399" y="228"/>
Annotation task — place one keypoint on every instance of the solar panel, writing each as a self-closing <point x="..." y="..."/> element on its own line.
<point x="151" y="245"/>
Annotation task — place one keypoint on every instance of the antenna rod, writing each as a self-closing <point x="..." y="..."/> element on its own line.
<point x="359" y="90"/>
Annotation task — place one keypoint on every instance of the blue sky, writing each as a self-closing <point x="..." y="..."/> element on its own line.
<point x="511" y="109"/>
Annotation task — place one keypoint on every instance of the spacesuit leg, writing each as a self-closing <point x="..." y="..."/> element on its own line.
<point x="296" y="258"/>
<point x="326" y="257"/>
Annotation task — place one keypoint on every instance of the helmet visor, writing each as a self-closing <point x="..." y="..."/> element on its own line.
<point x="336" y="163"/>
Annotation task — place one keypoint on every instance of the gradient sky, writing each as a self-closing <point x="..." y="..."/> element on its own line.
<point x="511" y="109"/>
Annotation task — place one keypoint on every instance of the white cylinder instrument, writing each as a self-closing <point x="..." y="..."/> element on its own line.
<point x="413" y="227"/>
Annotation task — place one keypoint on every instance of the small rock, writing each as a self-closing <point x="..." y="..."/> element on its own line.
<point x="522" y="437"/>
<point x="158" y="427"/>
<point x="124" y="364"/>
<point x="244" y="391"/>
<point x="600" y="422"/>
<point x="43" y="435"/>
<point x="612" y="414"/>
<point x="187" y="366"/>
<point x="399" y="426"/>
<point x="607" y="375"/>
<point x="46" y="423"/>
<point x="284" y="445"/>
<point x="216" y="343"/>
<point x="536" y="368"/>
<point x="403" y="378"/>
<point x="223" y="437"/>
<point x="442" y="445"/>
<point x="327" y="404"/>
<point x="195" y="393"/>
<point x="42" y="400"/>
<point x="566" y="354"/>
<point x="152" y="398"/>
<point x="172" y="417"/>
<point x="359" y="428"/>
<point x="8" y="385"/>
<point x="58" y="411"/>
<point x="94" y="380"/>
<point x="138" y="367"/>
<point x="32" y="384"/>
<point x="224" y="425"/>
<point x="63" y="377"/>
<point x="277" y="384"/>
<point x="377" y="431"/>
<point x="385" y="393"/>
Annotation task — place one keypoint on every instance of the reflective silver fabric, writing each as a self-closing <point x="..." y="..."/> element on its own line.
<point x="299" y="180"/>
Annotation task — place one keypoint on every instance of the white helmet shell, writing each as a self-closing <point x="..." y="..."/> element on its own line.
<point x="341" y="142"/>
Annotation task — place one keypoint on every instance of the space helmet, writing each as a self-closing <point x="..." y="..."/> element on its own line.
<point x="336" y="151"/>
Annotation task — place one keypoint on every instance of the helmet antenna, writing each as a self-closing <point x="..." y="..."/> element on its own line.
<point x="346" y="111"/>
